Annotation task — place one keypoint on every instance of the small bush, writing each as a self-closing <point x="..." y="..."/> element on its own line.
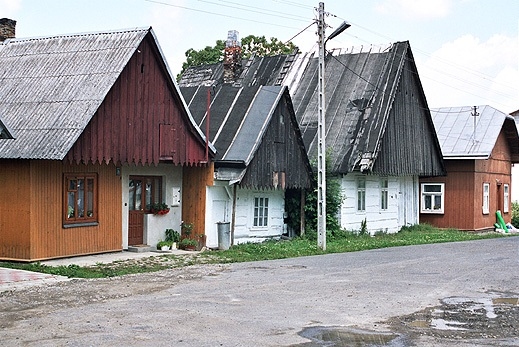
<point x="515" y="214"/>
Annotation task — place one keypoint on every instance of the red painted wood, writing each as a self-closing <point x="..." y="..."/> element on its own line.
<point x="127" y="126"/>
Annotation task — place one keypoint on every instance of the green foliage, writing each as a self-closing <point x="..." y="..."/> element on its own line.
<point x="333" y="203"/>
<point x="363" y="227"/>
<point x="515" y="214"/>
<point x="262" y="47"/>
<point x="251" y="44"/>
<point x="172" y="235"/>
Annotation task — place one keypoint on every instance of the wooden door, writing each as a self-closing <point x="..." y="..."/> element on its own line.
<point x="136" y="212"/>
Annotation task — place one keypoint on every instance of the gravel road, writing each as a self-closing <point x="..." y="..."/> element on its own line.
<point x="454" y="294"/>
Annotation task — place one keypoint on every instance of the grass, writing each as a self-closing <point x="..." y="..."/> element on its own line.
<point x="339" y="243"/>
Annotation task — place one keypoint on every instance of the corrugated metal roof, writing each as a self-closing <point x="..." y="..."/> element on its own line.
<point x="458" y="136"/>
<point x="51" y="87"/>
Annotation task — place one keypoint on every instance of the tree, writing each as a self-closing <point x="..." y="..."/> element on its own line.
<point x="251" y="44"/>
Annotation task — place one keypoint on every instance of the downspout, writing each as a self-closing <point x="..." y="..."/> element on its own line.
<point x="233" y="217"/>
<point x="207" y="120"/>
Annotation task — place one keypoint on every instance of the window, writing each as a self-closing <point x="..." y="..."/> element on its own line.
<point x="144" y="191"/>
<point x="361" y="194"/>
<point x="384" y="194"/>
<point x="80" y="196"/>
<point x="506" y="198"/>
<point x="486" y="198"/>
<point x="432" y="197"/>
<point x="261" y="212"/>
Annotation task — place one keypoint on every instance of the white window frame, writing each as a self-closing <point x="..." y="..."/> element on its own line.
<point x="486" y="198"/>
<point x="506" y="198"/>
<point x="260" y="212"/>
<point x="384" y="194"/>
<point x="432" y="196"/>
<point x="361" y="194"/>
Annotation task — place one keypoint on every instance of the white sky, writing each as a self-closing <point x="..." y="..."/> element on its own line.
<point x="466" y="51"/>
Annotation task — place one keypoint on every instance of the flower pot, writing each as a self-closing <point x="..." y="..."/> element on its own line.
<point x="164" y="248"/>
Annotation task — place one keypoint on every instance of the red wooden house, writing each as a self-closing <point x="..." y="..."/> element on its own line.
<point x="101" y="134"/>
<point x="479" y="146"/>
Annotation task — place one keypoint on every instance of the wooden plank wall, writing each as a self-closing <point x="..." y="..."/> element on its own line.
<point x="194" y="182"/>
<point x="33" y="225"/>
<point x="15" y="206"/>
<point x="464" y="190"/>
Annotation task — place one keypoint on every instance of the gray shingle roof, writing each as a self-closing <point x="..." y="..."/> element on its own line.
<point x="50" y="87"/>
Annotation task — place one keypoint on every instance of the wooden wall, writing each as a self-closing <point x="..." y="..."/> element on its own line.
<point x="194" y="182"/>
<point x="464" y="190"/>
<point x="31" y="219"/>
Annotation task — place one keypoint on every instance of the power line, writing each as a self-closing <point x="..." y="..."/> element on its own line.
<point x="218" y="14"/>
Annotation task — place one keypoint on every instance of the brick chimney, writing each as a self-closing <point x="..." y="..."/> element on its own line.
<point x="232" y="57"/>
<point x="7" y="29"/>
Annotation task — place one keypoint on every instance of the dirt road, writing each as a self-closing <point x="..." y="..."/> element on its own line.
<point x="456" y="294"/>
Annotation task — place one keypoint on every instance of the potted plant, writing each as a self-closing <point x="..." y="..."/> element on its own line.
<point x="187" y="229"/>
<point x="159" y="208"/>
<point x="173" y="237"/>
<point x="163" y="245"/>
<point x="188" y="244"/>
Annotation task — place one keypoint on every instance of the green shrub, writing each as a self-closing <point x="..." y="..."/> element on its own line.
<point x="515" y="214"/>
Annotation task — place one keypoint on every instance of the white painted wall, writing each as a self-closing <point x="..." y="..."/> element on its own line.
<point x="514" y="194"/>
<point x="155" y="225"/>
<point x="219" y="209"/>
<point x="402" y="203"/>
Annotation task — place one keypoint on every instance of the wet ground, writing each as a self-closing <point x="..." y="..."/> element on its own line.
<point x="456" y="294"/>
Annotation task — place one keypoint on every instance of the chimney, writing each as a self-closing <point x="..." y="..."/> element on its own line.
<point x="232" y="58"/>
<point x="7" y="29"/>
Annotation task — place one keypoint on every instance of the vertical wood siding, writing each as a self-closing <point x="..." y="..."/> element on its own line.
<point x="15" y="204"/>
<point x="141" y="121"/>
<point x="194" y="182"/>
<point x="281" y="154"/>
<point x="464" y="190"/>
<point x="31" y="219"/>
<point x="409" y="145"/>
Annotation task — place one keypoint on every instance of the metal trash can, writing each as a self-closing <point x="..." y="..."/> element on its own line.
<point x="224" y="235"/>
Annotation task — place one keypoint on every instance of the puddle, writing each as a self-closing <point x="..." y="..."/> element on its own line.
<point x="346" y="337"/>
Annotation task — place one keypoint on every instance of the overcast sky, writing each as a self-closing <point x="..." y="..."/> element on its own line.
<point x="467" y="51"/>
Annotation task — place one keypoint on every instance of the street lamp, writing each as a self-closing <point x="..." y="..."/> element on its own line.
<point x="321" y="129"/>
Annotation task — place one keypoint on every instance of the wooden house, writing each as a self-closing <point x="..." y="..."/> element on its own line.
<point x="102" y="134"/>
<point x="479" y="146"/>
<point x="260" y="157"/>
<point x="379" y="134"/>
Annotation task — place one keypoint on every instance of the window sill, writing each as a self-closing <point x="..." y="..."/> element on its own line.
<point x="79" y="225"/>
<point x="431" y="212"/>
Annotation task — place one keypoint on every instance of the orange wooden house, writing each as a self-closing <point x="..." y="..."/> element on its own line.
<point x="479" y="146"/>
<point x="101" y="135"/>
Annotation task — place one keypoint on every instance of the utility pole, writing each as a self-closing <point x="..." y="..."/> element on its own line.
<point x="321" y="128"/>
<point x="321" y="139"/>
<point x="474" y="114"/>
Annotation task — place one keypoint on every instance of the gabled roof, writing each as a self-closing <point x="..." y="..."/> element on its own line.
<point x="50" y="87"/>
<point x="460" y="140"/>
<point x="366" y="93"/>
<point x="362" y="92"/>
<point x="239" y="120"/>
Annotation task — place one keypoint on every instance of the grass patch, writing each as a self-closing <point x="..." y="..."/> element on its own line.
<point x="341" y="242"/>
